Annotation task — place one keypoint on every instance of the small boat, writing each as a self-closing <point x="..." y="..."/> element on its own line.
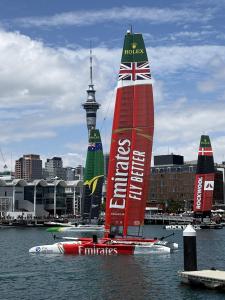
<point x="77" y="228"/>
<point x="57" y="224"/>
<point x="211" y="226"/>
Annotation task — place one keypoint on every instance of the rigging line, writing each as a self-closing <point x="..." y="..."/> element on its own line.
<point x="106" y="114"/>
<point x="103" y="122"/>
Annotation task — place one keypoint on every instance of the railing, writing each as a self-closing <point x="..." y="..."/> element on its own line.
<point x="168" y="218"/>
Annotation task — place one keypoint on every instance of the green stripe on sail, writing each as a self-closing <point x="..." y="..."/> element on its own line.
<point x="134" y="48"/>
<point x="93" y="176"/>
<point x="95" y="160"/>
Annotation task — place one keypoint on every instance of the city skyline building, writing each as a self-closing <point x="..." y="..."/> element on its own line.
<point x="28" y="167"/>
<point x="54" y="168"/>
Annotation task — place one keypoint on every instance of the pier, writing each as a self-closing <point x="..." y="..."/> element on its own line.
<point x="213" y="279"/>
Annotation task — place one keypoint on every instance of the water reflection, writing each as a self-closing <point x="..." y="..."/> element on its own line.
<point x="124" y="278"/>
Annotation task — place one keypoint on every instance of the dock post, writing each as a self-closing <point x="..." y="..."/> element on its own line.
<point x="190" y="252"/>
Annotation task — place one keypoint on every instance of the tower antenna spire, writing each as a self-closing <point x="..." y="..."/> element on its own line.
<point x="91" y="67"/>
<point x="90" y="105"/>
<point x="131" y="28"/>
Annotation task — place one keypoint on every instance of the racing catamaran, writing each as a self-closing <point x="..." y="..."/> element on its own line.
<point x="129" y="164"/>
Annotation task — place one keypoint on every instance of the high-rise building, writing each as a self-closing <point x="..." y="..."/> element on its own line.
<point x="29" y="167"/>
<point x="54" y="168"/>
<point x="91" y="106"/>
<point x="79" y="172"/>
<point x="69" y="173"/>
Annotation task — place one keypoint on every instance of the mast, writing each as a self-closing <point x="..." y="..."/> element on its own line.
<point x="132" y="136"/>
<point x="204" y="179"/>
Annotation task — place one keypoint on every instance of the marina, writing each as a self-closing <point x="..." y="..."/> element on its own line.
<point x="132" y="205"/>
<point x="25" y="276"/>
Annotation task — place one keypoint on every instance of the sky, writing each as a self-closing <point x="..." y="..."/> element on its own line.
<point x="44" y="73"/>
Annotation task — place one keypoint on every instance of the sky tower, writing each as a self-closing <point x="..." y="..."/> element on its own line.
<point x="91" y="106"/>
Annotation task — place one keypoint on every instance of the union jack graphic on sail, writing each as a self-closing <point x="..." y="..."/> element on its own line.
<point x="134" y="71"/>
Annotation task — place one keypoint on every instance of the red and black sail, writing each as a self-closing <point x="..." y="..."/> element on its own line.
<point x="132" y="136"/>
<point x="204" y="180"/>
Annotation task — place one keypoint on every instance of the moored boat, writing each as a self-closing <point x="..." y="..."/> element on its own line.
<point x="180" y="227"/>
<point x="57" y="224"/>
<point x="78" y="228"/>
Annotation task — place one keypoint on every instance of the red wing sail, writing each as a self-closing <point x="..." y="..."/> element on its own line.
<point x="132" y="134"/>
<point x="204" y="180"/>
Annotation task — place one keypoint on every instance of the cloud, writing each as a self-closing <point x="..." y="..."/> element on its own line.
<point x="42" y="88"/>
<point x="116" y="14"/>
<point x="179" y="130"/>
<point x="45" y="87"/>
<point x="173" y="59"/>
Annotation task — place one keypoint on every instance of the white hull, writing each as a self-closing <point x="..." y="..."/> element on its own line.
<point x="138" y="248"/>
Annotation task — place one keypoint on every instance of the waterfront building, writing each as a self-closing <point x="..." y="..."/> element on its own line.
<point x="73" y="197"/>
<point x="172" y="184"/>
<point x="28" y="167"/>
<point x="40" y="198"/>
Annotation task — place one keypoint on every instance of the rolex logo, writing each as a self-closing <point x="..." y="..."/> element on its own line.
<point x="134" y="45"/>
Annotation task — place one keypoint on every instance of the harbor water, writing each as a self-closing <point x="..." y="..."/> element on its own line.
<point x="25" y="276"/>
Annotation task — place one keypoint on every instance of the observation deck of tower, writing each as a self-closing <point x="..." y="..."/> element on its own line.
<point x="91" y="106"/>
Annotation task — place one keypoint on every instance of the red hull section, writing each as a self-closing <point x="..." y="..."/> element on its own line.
<point x="98" y="249"/>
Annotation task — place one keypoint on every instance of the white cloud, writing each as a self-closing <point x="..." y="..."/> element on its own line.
<point x="41" y="91"/>
<point x="167" y="60"/>
<point x="116" y="14"/>
<point x="180" y="130"/>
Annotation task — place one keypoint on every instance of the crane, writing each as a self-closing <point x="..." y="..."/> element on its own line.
<point x="5" y="165"/>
